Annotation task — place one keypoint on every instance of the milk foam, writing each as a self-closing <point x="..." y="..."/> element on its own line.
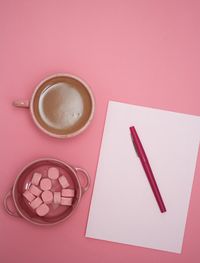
<point x="60" y="106"/>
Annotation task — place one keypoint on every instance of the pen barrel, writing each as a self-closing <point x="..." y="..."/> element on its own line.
<point x="147" y="168"/>
<point x="153" y="184"/>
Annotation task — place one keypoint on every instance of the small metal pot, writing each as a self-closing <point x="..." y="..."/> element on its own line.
<point x="22" y="182"/>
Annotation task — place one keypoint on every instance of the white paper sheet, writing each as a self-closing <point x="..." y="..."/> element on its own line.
<point x="123" y="208"/>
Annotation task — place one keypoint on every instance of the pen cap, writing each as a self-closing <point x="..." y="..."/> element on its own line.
<point x="137" y="143"/>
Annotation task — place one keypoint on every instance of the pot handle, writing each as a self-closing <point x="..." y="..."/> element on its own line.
<point x="86" y="176"/>
<point x="6" y="206"/>
<point x="21" y="103"/>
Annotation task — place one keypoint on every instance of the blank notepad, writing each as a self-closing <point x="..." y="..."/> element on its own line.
<point x="123" y="208"/>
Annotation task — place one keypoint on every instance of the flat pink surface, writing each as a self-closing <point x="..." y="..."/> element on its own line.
<point x="139" y="52"/>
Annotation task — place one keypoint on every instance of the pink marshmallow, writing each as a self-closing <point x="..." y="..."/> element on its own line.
<point x="66" y="201"/>
<point x="42" y="210"/>
<point x="53" y="173"/>
<point x="28" y="195"/>
<point x="63" y="181"/>
<point x="47" y="197"/>
<point x="36" y="178"/>
<point x="57" y="197"/>
<point x="35" y="190"/>
<point x="45" y="184"/>
<point x="36" y="203"/>
<point x="68" y="192"/>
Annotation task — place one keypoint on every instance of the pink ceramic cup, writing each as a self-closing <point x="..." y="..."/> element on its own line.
<point x="21" y="207"/>
<point x="62" y="105"/>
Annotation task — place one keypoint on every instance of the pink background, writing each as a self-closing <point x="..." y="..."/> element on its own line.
<point x="140" y="52"/>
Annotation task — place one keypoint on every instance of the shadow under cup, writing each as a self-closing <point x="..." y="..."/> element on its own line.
<point x="62" y="106"/>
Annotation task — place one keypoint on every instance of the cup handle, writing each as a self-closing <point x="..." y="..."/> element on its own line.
<point x="6" y="206"/>
<point x="21" y="103"/>
<point x="86" y="176"/>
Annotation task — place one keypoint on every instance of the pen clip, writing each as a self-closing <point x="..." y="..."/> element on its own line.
<point x="135" y="147"/>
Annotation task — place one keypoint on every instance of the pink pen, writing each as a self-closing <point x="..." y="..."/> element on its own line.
<point x="145" y="163"/>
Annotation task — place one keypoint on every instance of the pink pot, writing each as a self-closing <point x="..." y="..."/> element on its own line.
<point x="22" y="182"/>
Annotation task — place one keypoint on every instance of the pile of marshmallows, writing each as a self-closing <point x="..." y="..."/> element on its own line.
<point x="39" y="195"/>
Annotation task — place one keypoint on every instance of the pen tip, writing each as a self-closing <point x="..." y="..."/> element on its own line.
<point x="132" y="128"/>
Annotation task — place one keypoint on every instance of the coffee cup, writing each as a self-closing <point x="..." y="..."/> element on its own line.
<point x="62" y="105"/>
